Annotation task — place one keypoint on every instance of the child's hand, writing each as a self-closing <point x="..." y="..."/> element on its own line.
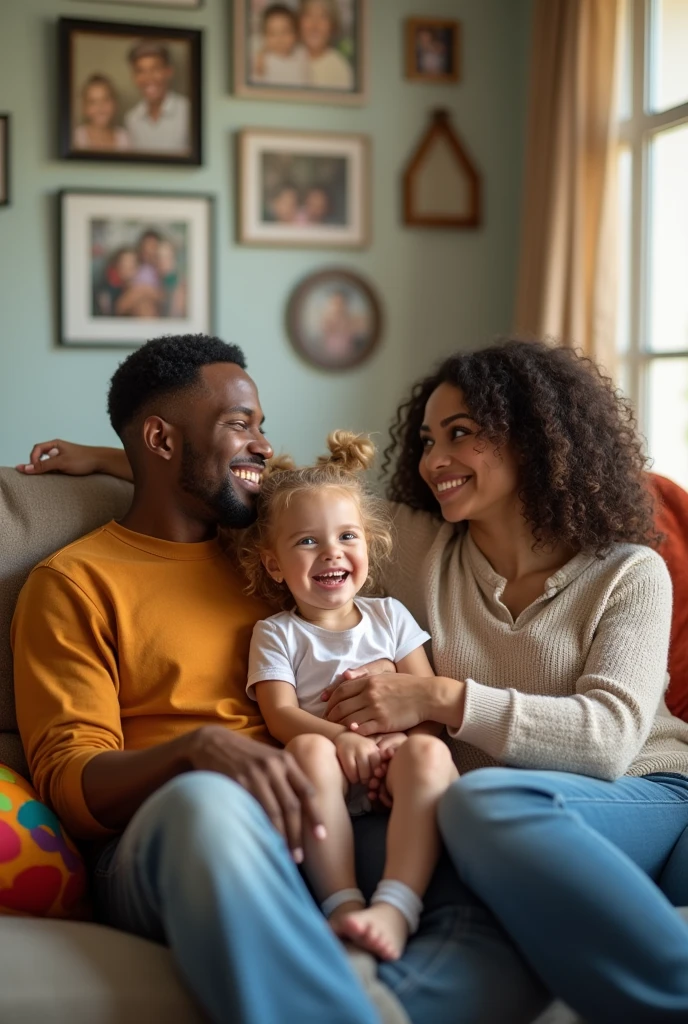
<point x="359" y="756"/>
<point x="389" y="743"/>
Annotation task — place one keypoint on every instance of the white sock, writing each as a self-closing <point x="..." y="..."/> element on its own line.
<point x="401" y="896"/>
<point x="336" y="899"/>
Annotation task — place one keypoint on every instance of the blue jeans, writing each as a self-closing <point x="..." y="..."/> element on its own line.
<point x="201" y="868"/>
<point x="583" y="874"/>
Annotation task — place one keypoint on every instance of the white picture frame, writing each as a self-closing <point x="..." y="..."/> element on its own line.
<point x="113" y="291"/>
<point x="303" y="189"/>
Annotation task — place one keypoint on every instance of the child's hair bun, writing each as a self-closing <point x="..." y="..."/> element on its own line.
<point x="351" y="452"/>
<point x="278" y="464"/>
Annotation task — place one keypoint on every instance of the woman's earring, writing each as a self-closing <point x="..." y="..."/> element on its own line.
<point x="278" y="579"/>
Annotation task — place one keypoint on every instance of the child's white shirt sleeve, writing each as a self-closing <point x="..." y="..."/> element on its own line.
<point x="406" y="631"/>
<point x="268" y="657"/>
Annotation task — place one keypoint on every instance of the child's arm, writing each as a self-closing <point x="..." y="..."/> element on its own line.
<point x="283" y="716"/>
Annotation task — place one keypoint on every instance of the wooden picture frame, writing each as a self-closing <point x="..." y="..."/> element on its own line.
<point x="453" y="205"/>
<point x="133" y="265"/>
<point x="433" y="50"/>
<point x="178" y="5"/>
<point x="334" y="319"/>
<point x="113" y="77"/>
<point x="338" y="74"/>
<point x="303" y="189"/>
<point x="4" y="159"/>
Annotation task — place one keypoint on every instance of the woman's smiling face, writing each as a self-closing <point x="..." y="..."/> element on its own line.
<point x="468" y="477"/>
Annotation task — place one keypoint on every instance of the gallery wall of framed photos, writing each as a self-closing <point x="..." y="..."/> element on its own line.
<point x="267" y="200"/>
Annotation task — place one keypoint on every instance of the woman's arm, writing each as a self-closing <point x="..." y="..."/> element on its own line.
<point x="76" y="460"/>
<point x="596" y="731"/>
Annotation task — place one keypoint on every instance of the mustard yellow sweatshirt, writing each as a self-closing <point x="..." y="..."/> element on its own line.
<point x="123" y="641"/>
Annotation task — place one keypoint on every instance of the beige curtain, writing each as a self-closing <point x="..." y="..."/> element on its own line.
<point x="567" y="278"/>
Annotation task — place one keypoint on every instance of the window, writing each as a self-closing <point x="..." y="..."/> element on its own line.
<point x="653" y="220"/>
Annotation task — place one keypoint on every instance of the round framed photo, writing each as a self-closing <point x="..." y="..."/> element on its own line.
<point x="334" y="319"/>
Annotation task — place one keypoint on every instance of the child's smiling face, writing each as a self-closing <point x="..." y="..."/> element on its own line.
<point x="99" y="105"/>
<point x="320" y="549"/>
<point x="280" y="34"/>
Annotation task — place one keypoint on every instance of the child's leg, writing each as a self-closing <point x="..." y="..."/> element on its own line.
<point x="419" y="773"/>
<point x="329" y="862"/>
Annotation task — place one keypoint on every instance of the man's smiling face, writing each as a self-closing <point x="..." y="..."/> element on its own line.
<point x="224" y="450"/>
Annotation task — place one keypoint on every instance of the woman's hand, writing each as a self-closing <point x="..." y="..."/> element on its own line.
<point x="389" y="702"/>
<point x="359" y="757"/>
<point x="76" y="460"/>
<point x="62" y="457"/>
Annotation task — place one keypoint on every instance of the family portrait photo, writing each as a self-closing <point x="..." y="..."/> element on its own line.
<point x="303" y="188"/>
<point x="129" y="92"/>
<point x="432" y="49"/>
<point x="334" y="319"/>
<point x="313" y="50"/>
<point x="127" y="259"/>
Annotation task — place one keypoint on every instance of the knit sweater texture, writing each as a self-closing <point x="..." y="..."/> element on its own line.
<point x="575" y="683"/>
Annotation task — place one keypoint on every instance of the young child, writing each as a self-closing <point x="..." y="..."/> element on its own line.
<point x="280" y="60"/>
<point x="99" y="111"/>
<point x="317" y="543"/>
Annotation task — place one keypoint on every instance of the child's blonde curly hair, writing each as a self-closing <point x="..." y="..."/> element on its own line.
<point x="349" y="455"/>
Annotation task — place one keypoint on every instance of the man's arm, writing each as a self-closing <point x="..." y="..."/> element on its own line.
<point x="76" y="460"/>
<point x="66" y="689"/>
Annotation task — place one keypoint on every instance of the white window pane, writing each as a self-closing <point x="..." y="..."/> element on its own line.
<point x="668" y="60"/>
<point x="624" y="65"/>
<point x="667" y="417"/>
<point x="668" y="248"/>
<point x="623" y="241"/>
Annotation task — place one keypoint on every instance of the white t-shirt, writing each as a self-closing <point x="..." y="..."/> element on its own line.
<point x="311" y="658"/>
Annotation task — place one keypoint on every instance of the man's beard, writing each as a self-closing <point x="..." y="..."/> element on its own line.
<point x="227" y="507"/>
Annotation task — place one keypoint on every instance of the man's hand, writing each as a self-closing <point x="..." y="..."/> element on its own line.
<point x="359" y="756"/>
<point x="270" y="775"/>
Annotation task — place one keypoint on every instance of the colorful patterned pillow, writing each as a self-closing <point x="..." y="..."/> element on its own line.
<point x="41" y="871"/>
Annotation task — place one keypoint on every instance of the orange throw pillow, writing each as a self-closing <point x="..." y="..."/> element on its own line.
<point x="671" y="518"/>
<point x="41" y="871"/>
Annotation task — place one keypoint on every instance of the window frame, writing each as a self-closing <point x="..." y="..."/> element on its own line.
<point x="636" y="133"/>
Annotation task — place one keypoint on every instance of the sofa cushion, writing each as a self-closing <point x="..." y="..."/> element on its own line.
<point x="38" y="516"/>
<point x="41" y="871"/>
<point x="68" y="972"/>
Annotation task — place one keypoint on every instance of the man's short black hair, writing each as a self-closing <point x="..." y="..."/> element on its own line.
<point x="163" y="366"/>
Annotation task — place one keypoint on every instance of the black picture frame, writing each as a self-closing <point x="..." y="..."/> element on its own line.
<point x="77" y="326"/>
<point x="4" y="159"/>
<point x="71" y="31"/>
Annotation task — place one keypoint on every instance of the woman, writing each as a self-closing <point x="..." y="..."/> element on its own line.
<point x="522" y="527"/>
<point x="99" y="109"/>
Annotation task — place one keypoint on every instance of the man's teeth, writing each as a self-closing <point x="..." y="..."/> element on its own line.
<point x="447" y="485"/>
<point x="247" y="474"/>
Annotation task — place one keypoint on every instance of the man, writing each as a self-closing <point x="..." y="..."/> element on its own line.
<point x="160" y="122"/>
<point x="131" y="649"/>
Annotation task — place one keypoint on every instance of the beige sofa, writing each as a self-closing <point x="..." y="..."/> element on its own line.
<point x="60" y="972"/>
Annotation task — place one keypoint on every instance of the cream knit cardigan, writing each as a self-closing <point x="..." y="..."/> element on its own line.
<point x="576" y="683"/>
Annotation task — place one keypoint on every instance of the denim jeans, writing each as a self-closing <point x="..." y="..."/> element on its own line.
<point x="584" y="876"/>
<point x="201" y="868"/>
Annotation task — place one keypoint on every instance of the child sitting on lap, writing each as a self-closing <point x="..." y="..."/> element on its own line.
<point x="318" y="541"/>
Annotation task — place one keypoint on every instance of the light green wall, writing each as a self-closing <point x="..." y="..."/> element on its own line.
<point x="440" y="290"/>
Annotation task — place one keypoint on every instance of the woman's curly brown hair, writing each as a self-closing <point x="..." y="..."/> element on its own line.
<point x="582" y="476"/>
<point x="349" y="455"/>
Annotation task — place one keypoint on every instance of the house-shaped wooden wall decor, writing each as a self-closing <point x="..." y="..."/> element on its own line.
<point x="442" y="187"/>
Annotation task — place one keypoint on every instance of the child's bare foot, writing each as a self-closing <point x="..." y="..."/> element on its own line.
<point x="338" y="916"/>
<point x="381" y="929"/>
